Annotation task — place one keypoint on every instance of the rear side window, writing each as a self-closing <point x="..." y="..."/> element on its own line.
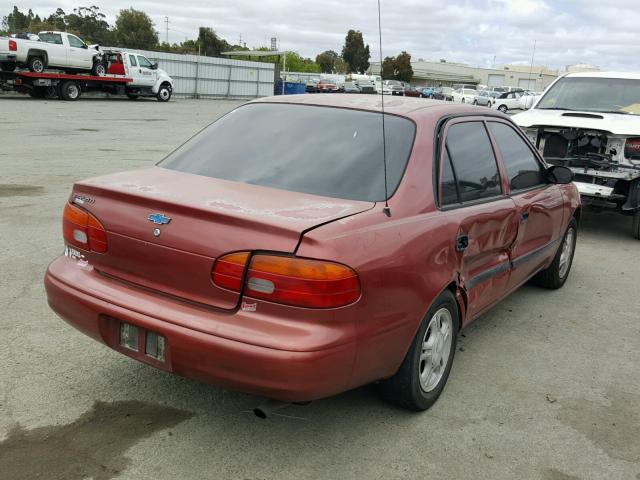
<point x="132" y="61"/>
<point x="473" y="161"/>
<point x="523" y="169"/>
<point x="333" y="152"/>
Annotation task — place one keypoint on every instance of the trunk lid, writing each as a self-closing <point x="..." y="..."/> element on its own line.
<point x="198" y="219"/>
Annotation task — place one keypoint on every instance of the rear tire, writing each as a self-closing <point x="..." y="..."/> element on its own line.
<point x="635" y="226"/>
<point x="425" y="369"/>
<point x="8" y="66"/>
<point x="70" y="91"/>
<point x="36" y="64"/>
<point x="556" y="275"/>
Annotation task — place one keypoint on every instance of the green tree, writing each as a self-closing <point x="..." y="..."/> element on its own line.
<point x="398" y="68"/>
<point x="16" y="21"/>
<point x="340" y="66"/>
<point x="89" y="24"/>
<point x="404" y="70"/>
<point x="355" y="52"/>
<point x="296" y="63"/>
<point x="327" y="61"/>
<point x="134" y="29"/>
<point x="389" y="68"/>
<point x="210" y="43"/>
<point x="58" y="20"/>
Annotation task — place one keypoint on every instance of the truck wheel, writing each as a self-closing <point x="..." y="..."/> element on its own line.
<point x="133" y="96"/>
<point x="558" y="272"/>
<point x="36" y="64"/>
<point x="8" y="66"/>
<point x="635" y="227"/>
<point x="164" y="93"/>
<point x="425" y="369"/>
<point x="98" y="69"/>
<point x="70" y="91"/>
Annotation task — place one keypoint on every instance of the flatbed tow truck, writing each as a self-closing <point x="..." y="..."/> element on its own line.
<point x="61" y="85"/>
<point x="127" y="74"/>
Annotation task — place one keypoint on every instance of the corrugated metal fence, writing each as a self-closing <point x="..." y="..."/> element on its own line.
<point x="211" y="77"/>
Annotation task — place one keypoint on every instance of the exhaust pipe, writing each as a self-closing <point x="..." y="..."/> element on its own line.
<point x="268" y="408"/>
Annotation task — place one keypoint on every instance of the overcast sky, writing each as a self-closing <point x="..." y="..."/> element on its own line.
<point x="603" y="33"/>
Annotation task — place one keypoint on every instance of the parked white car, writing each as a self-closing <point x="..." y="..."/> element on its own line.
<point x="59" y="50"/>
<point x="528" y="99"/>
<point x="508" y="101"/>
<point x="590" y="122"/>
<point x="392" y="87"/>
<point x="464" y="95"/>
<point x="483" y="98"/>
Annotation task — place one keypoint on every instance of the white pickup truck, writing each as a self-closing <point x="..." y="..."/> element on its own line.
<point x="57" y="50"/>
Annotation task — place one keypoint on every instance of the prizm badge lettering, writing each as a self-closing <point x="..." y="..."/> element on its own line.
<point x="159" y="219"/>
<point x="81" y="199"/>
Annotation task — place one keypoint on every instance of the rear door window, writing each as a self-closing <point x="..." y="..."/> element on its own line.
<point x="474" y="163"/>
<point x="523" y="169"/>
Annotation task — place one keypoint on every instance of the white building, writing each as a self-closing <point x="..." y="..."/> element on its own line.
<point x="446" y="74"/>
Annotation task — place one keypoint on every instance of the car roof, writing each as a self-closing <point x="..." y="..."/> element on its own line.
<point x="409" y="107"/>
<point x="627" y="75"/>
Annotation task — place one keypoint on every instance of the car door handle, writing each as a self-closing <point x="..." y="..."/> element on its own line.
<point x="524" y="216"/>
<point x="462" y="243"/>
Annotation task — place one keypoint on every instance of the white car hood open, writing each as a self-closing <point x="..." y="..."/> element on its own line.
<point x="614" y="123"/>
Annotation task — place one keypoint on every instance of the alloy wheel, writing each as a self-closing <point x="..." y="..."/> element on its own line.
<point x="566" y="253"/>
<point x="435" y="350"/>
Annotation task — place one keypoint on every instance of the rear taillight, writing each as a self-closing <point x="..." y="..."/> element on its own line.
<point x="229" y="270"/>
<point x="289" y="280"/>
<point x="83" y="230"/>
<point x="13" y="46"/>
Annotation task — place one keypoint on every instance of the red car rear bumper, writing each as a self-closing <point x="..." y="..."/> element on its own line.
<point x="274" y="373"/>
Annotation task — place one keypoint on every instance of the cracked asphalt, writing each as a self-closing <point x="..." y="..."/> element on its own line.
<point x="544" y="386"/>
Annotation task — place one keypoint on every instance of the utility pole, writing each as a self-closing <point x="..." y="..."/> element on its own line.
<point x="166" y="21"/>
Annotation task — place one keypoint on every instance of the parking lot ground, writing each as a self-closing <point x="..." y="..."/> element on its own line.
<point x="545" y="386"/>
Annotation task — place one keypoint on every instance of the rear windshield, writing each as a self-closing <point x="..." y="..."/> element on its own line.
<point x="604" y="95"/>
<point x="55" y="38"/>
<point x="332" y="152"/>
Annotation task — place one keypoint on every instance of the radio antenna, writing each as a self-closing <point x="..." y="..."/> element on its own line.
<point x="387" y="209"/>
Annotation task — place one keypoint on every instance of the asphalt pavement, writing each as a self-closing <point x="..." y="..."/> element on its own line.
<point x="544" y="386"/>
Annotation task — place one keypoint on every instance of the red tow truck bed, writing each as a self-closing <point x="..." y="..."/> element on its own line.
<point x="62" y="85"/>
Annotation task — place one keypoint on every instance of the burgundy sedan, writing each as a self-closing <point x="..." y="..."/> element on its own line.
<point x="263" y="259"/>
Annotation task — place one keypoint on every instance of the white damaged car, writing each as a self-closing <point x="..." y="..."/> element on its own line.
<point x="590" y="122"/>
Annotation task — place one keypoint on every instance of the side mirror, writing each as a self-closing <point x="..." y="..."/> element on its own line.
<point x="84" y="45"/>
<point x="154" y="66"/>
<point x="559" y="175"/>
